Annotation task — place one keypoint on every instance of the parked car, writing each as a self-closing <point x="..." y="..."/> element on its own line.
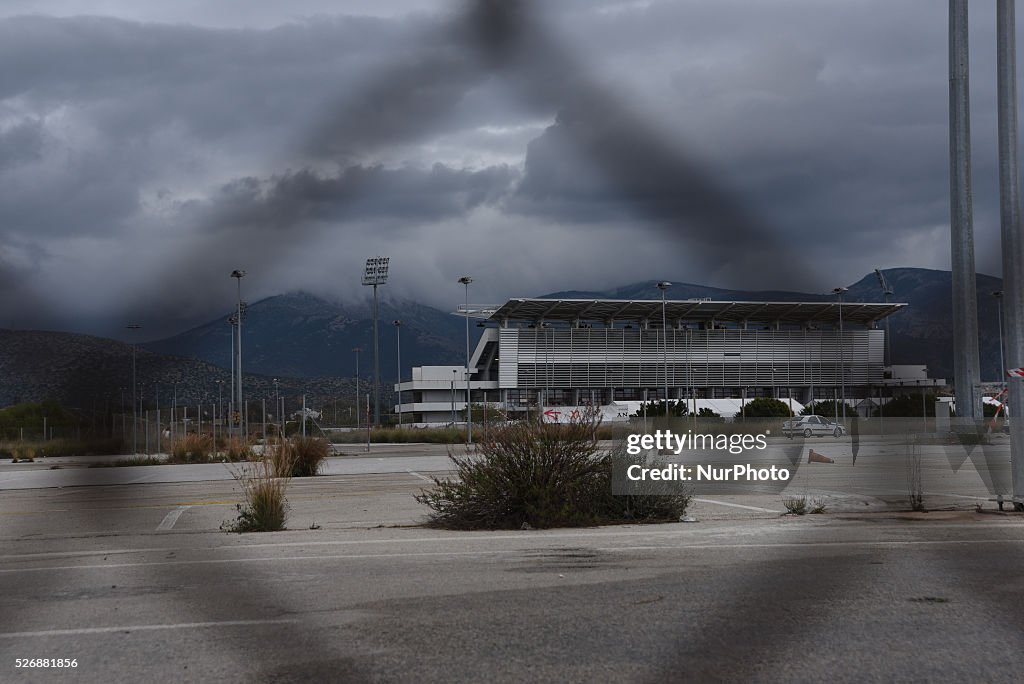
<point x="811" y="426"/>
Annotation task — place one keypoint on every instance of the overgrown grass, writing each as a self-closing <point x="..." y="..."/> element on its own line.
<point x="797" y="505"/>
<point x="441" y="435"/>
<point x="265" y="508"/>
<point x="532" y="474"/>
<point x="301" y="456"/>
<point x="191" y="448"/>
<point x="130" y="461"/>
<point x="59" y="447"/>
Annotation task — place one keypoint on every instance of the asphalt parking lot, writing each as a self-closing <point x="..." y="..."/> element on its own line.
<point x="134" y="580"/>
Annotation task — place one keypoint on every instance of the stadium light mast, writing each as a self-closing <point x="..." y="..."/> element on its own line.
<point x="842" y="360"/>
<point x="466" y="280"/>
<point x="664" y="285"/>
<point x="376" y="273"/>
<point x="135" y="420"/>
<point x="238" y="274"/>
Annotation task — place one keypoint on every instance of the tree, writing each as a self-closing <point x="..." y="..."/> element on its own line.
<point x="764" y="407"/>
<point x="828" y="408"/>
<point x="907" y="406"/>
<point x="657" y="408"/>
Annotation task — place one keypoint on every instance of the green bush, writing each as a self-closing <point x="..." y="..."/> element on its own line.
<point x="764" y="407"/>
<point x="657" y="408"/>
<point x="539" y="475"/>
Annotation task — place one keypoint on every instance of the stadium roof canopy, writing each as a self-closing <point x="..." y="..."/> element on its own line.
<point x="535" y="310"/>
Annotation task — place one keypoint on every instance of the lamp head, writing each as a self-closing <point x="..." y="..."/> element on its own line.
<point x="465" y="280"/>
<point x="664" y="285"/>
<point x="840" y="290"/>
<point x="238" y="273"/>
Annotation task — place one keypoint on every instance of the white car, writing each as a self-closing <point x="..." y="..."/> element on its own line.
<point x="812" y="426"/>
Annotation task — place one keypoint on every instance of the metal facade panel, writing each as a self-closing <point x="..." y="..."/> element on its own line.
<point x="602" y="357"/>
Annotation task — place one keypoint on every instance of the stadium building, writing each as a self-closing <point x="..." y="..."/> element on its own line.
<point x="542" y="353"/>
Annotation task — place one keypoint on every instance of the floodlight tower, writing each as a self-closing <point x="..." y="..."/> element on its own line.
<point x="376" y="273"/>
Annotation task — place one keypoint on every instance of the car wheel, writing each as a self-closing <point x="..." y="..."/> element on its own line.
<point x="807" y="432"/>
<point x="837" y="433"/>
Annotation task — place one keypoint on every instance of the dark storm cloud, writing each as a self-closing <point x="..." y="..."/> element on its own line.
<point x="291" y="200"/>
<point x="732" y="134"/>
<point x="21" y="142"/>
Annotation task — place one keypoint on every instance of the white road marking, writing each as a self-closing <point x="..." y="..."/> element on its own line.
<point x="422" y="477"/>
<point x="139" y="628"/>
<point x="171" y="518"/>
<point x="452" y="554"/>
<point x="734" y="505"/>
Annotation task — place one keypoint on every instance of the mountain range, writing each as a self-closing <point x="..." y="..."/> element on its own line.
<point x="307" y="342"/>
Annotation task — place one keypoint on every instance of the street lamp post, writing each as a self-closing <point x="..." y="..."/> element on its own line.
<point x="664" y="285"/>
<point x="357" y="350"/>
<point x="398" y="347"/>
<point x="466" y="280"/>
<point x="135" y="420"/>
<point x="454" y="374"/>
<point x="842" y="360"/>
<point x="238" y="274"/>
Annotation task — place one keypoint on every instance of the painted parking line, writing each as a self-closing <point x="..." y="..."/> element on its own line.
<point x="140" y="628"/>
<point x="735" y="505"/>
<point x="422" y="477"/>
<point x="171" y="518"/>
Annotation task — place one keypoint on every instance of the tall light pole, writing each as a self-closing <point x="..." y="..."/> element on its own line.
<point x="886" y="292"/>
<point x="135" y="420"/>
<point x="376" y="273"/>
<point x="466" y="280"/>
<point x="1011" y="236"/>
<point x="398" y="347"/>
<point x="357" y="350"/>
<point x="664" y="285"/>
<point x="238" y="274"/>
<point x="842" y="356"/>
<point x="454" y="374"/>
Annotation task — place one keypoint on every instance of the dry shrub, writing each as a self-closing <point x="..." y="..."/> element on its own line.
<point x="539" y="475"/>
<point x="265" y="508"/>
<point x="302" y="456"/>
<point x="238" y="449"/>
<point x="191" y="448"/>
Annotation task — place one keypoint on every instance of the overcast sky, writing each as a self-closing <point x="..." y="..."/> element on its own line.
<point x="148" y="148"/>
